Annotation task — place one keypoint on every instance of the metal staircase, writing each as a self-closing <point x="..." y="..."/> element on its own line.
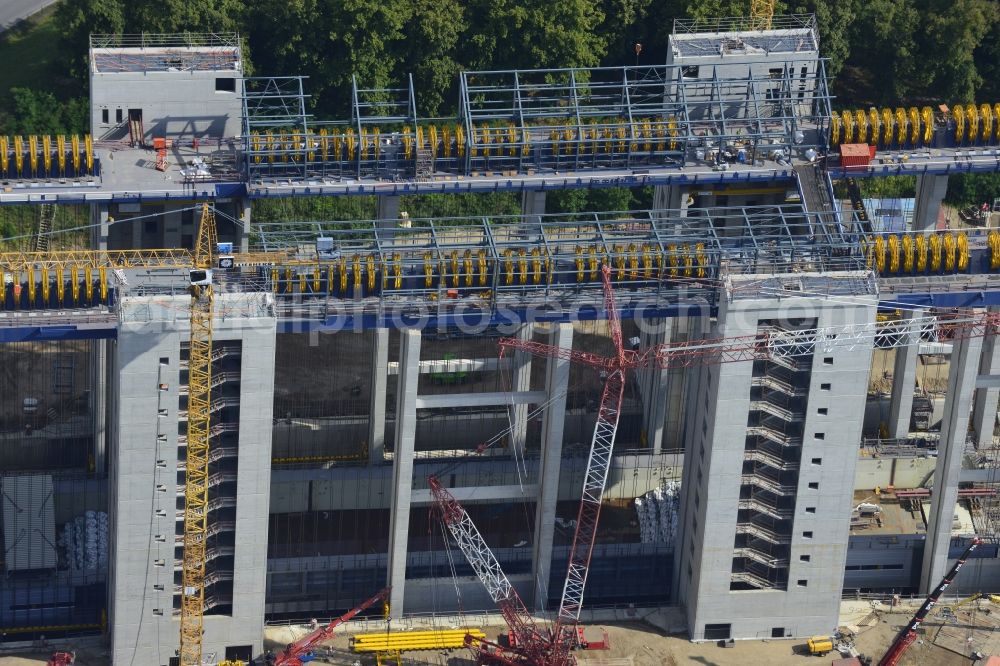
<point x="46" y="218"/>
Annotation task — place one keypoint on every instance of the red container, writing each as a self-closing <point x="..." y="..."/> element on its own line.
<point x="857" y="155"/>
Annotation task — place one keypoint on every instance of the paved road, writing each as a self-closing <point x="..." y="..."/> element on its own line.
<point x="13" y="10"/>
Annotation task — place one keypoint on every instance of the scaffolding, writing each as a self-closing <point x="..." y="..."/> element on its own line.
<point x="543" y="121"/>
<point x="150" y="52"/>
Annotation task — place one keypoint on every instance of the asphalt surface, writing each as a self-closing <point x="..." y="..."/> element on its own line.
<point x="12" y="11"/>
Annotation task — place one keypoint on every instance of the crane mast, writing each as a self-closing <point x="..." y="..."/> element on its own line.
<point x="199" y="423"/>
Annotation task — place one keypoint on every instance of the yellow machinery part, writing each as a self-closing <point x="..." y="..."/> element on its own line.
<point x="621" y="133"/>
<point x="310" y="147"/>
<point x="512" y="140"/>
<point x="274" y="280"/>
<point x="19" y="154"/>
<point x="672" y="131"/>
<point x="283" y="145"/>
<point x="994" y="249"/>
<point x="962" y="260"/>
<point x="914" y="126"/>
<point x="835" y="130"/>
<point x="88" y="146"/>
<point x="633" y="261"/>
<point x="60" y="153"/>
<point x="593" y="262"/>
<point x="407" y="143"/>
<point x="376" y="143"/>
<point x="619" y="261"/>
<point x="74" y="284"/>
<point x="324" y="145"/>
<point x="482" y="268"/>
<point x="428" y="270"/>
<point x="362" y="143"/>
<point x="934" y="246"/>
<point x="316" y="286"/>
<point x="647" y="261"/>
<point x="343" y="275"/>
<point x="47" y="154"/>
<point x="554" y="137"/>
<point x="350" y="143"/>
<point x="688" y="261"/>
<point x="32" y="287"/>
<point x="949" y="252"/>
<point x="972" y="121"/>
<point x="860" y="126"/>
<point x="699" y="250"/>
<point x="880" y="254"/>
<point x="568" y="143"/>
<point x="908" y="253"/>
<point x="88" y="283"/>
<point x="674" y="260"/>
<point x="867" y="250"/>
<point x="894" y="248"/>
<point x="848" y="129"/>
<point x="370" y="267"/>
<point x="45" y="286"/>
<point x="525" y="143"/>
<point x="920" y="242"/>
<point x="455" y="277"/>
<point x="102" y="276"/>
<point x="269" y="145"/>
<point x="927" y="124"/>
<point x="986" y="120"/>
<point x="289" y="284"/>
<point x="522" y="265"/>
<point x="445" y="141"/>
<point x="958" y="113"/>
<point x="900" y="126"/>
<point x="432" y="137"/>
<point x="508" y="266"/>
<point x="647" y="130"/>
<point x="4" y="156"/>
<point x="874" y="126"/>
<point x="33" y="154"/>
<point x="459" y="141"/>
<point x="996" y="121"/>
<point x="536" y="266"/>
<point x="302" y="283"/>
<point x="397" y="270"/>
<point x="580" y="264"/>
<point x="886" y="128"/>
<point x="337" y="146"/>
<point x="356" y="270"/>
<point x="420" y="138"/>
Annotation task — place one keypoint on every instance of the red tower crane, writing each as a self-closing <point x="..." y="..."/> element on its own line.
<point x="296" y="653"/>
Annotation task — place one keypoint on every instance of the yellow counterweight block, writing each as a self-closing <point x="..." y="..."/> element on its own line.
<point x="511" y="140"/>
<point x="303" y="282"/>
<point x="525" y="143"/>
<point x="578" y="259"/>
<point x="880" y="254"/>
<point x="310" y="147"/>
<point x="45" y="286"/>
<point x="269" y="146"/>
<point x="446" y="148"/>
<point x="886" y="138"/>
<point x="927" y="125"/>
<point x="32" y="287"/>
<point x="874" y="126"/>
<point x="618" y="259"/>
<point x="900" y="120"/>
<point x="699" y="250"/>
<point x="920" y="244"/>
<point x="934" y="249"/>
<point x="75" y="147"/>
<point x="554" y="136"/>
<point x="647" y="132"/>
<point x="289" y="281"/>
<point x="324" y="145"/>
<point x="19" y="155"/>
<point x="397" y="270"/>
<point x="376" y="142"/>
<point x="958" y="113"/>
<point x="835" y="130"/>
<point x="949" y="252"/>
<point x="893" y="247"/>
<point x="362" y="144"/>
<point x="633" y="262"/>
<point x="74" y="284"/>
<point x="986" y="121"/>
<point x="962" y="260"/>
<point x="4" y="156"/>
<point x="483" y="272"/>
<point x="647" y="261"/>
<point x="370" y="269"/>
<point x="847" y="119"/>
<point x="356" y="272"/>
<point x="508" y="266"/>
<point x="688" y="261"/>
<point x="455" y="276"/>
<point x="47" y="154"/>
<point x="674" y="259"/>
<point x="33" y="154"/>
<point x="908" y="253"/>
<point x="60" y="154"/>
<point x="972" y="123"/>
<point x="255" y="146"/>
<point x="317" y="282"/>
<point x="592" y="262"/>
<point x="522" y="265"/>
<point x="337" y="147"/>
<point x="283" y="144"/>
<point x="350" y="144"/>
<point x="994" y="250"/>
<point x="860" y="126"/>
<point x="432" y="138"/>
<point x="914" y="115"/>
<point x="459" y="141"/>
<point x="622" y="133"/>
<point x="342" y="275"/>
<point x="102" y="276"/>
<point x="88" y="145"/>
<point x="536" y="265"/>
<point x="672" y="131"/>
<point x="88" y="283"/>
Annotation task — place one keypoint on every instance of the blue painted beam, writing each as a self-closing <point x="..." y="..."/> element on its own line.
<point x="37" y="333"/>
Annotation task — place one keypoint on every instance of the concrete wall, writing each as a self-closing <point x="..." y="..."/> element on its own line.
<point x="898" y="472"/>
<point x="175" y="105"/>
<point x="144" y="489"/>
<point x="838" y="385"/>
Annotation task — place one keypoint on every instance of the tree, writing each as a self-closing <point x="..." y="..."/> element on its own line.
<point x="77" y="20"/>
<point x="37" y="112"/>
<point x="428" y="51"/>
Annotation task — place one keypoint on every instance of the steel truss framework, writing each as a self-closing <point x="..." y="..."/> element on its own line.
<point x="520" y="121"/>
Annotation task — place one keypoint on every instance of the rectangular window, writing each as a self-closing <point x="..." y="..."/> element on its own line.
<point x="823" y="411"/>
<point x="802" y="582"/>
<point x="819" y="435"/>
<point x="718" y="632"/>
<point x="817" y="461"/>
<point x="164" y="360"/>
<point x="807" y="534"/>
<point x="827" y="360"/>
<point x="778" y="632"/>
<point x="105" y="118"/>
<point x="814" y="485"/>
<point x="810" y="509"/>
<point x="775" y="72"/>
<point x="226" y="84"/>
<point x="824" y="387"/>
<point x="689" y="71"/>
<point x="805" y="558"/>
<point x="118" y="115"/>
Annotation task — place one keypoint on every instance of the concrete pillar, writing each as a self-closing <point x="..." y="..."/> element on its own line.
<point x="402" y="466"/>
<point x="387" y="208"/>
<point x="670" y="197"/>
<point x="135" y="227"/>
<point x="904" y="377"/>
<point x="101" y="228"/>
<point x="241" y="230"/>
<point x="653" y="384"/>
<point x="532" y="202"/>
<point x="521" y="372"/>
<point x="98" y="402"/>
<point x="556" y="384"/>
<point x="379" y="376"/>
<point x="954" y="428"/>
<point x="930" y="194"/>
<point x="984" y="404"/>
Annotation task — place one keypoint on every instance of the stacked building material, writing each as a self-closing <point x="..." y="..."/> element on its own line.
<point x="657" y="512"/>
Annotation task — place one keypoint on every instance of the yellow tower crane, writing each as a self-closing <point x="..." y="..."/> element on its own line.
<point x="761" y="14"/>
<point x="199" y="416"/>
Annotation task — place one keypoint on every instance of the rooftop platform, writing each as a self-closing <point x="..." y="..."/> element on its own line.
<point x="739" y="36"/>
<point x="182" y="52"/>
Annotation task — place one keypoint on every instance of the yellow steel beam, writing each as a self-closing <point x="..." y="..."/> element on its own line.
<point x="196" y="471"/>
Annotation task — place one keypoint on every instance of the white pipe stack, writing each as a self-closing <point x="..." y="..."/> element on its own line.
<point x="657" y="513"/>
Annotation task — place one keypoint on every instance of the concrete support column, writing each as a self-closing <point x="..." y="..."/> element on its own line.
<point x="930" y="194"/>
<point x="653" y="384"/>
<point x="984" y="405"/>
<point x="387" y="208"/>
<point x="669" y="197"/>
<point x="379" y="377"/>
<point x="521" y="372"/>
<point x="101" y="228"/>
<point x="532" y="202"/>
<point x="904" y="377"/>
<point x="556" y="384"/>
<point x="241" y="230"/>
<point x="402" y="466"/>
<point x="954" y="428"/>
<point x="98" y="402"/>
